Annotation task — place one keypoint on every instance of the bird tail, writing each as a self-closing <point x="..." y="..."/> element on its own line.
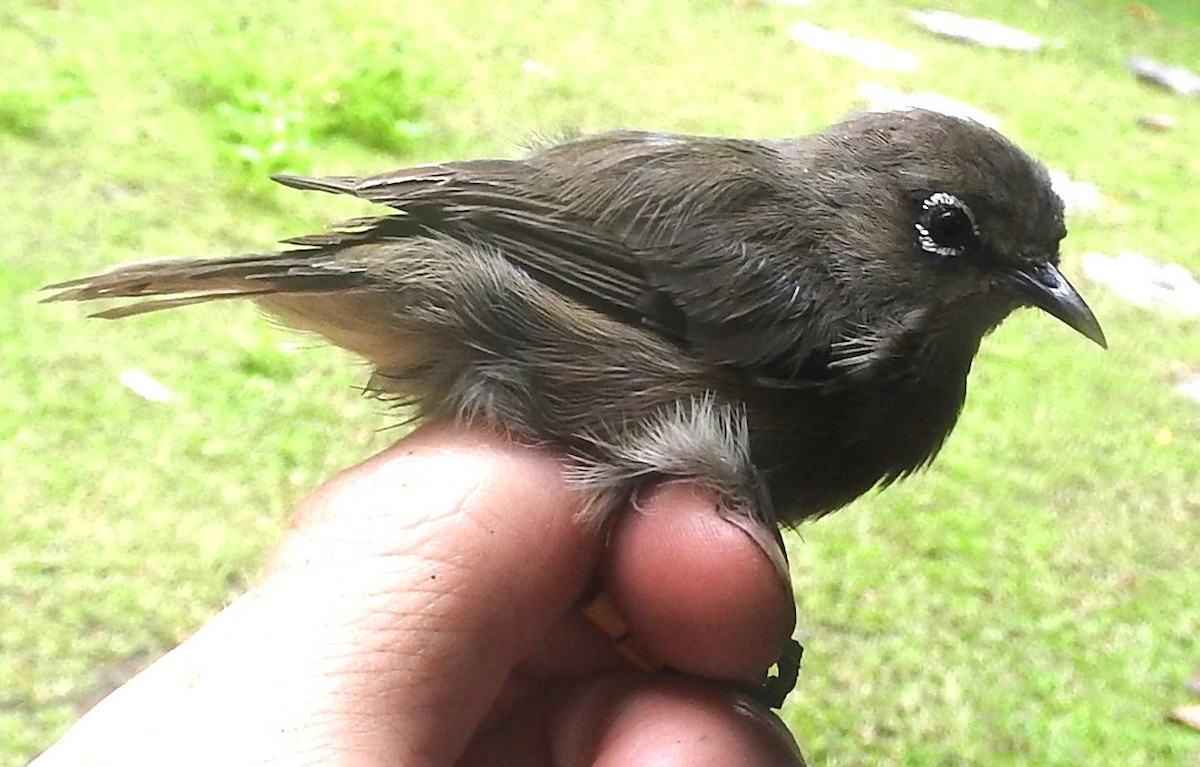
<point x="170" y="282"/>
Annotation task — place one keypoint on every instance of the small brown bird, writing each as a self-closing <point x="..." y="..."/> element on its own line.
<point x="790" y="321"/>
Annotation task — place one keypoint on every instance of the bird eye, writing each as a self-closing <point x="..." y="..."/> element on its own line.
<point x="947" y="227"/>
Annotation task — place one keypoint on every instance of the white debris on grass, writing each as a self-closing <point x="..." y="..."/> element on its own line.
<point x="1181" y="80"/>
<point x="144" y="386"/>
<point x="868" y="52"/>
<point x="1144" y="281"/>
<point x="1077" y="196"/>
<point x="883" y="98"/>
<point x="1190" y="387"/>
<point x="534" y="67"/>
<point x="1159" y="123"/>
<point x="1187" y="715"/>
<point x="978" y="31"/>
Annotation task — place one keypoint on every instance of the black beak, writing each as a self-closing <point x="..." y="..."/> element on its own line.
<point x="1043" y="286"/>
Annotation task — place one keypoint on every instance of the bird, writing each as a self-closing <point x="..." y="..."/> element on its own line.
<point x="790" y="322"/>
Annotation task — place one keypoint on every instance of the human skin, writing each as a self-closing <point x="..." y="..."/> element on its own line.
<point x="424" y="609"/>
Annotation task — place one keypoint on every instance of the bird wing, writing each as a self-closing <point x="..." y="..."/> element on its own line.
<point x="484" y="203"/>
<point x="678" y="234"/>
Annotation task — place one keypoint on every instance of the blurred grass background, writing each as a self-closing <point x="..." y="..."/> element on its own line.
<point x="1032" y="599"/>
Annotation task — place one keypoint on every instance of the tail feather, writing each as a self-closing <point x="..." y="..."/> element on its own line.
<point x="180" y="282"/>
<point x="330" y="184"/>
<point x="158" y="304"/>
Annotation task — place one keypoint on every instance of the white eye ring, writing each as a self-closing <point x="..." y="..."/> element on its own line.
<point x="945" y="198"/>
<point x="926" y="238"/>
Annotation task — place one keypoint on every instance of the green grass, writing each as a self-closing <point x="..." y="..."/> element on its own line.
<point x="1030" y="600"/>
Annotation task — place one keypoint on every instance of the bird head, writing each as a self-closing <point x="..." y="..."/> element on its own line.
<point x="961" y="219"/>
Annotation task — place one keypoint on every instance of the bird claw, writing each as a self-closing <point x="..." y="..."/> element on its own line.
<point x="771" y="691"/>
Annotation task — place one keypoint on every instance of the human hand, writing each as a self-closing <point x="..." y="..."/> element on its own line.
<point x="423" y="609"/>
